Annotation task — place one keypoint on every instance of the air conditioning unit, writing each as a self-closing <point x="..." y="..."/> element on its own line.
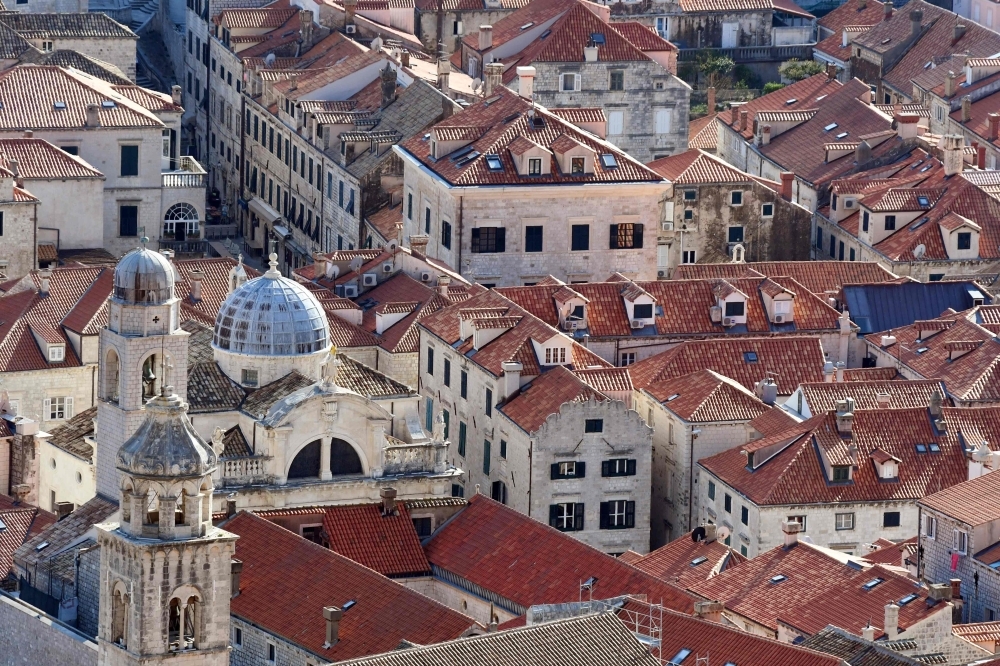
<point x="387" y="267"/>
<point x="350" y="29"/>
<point x="425" y="276"/>
<point x="570" y="325"/>
<point x="637" y="323"/>
<point x="779" y="319"/>
<point x="350" y="290"/>
<point x="369" y="280"/>
<point x="661" y="274"/>
<point x="668" y="226"/>
<point x="849" y="203"/>
<point x="728" y="321"/>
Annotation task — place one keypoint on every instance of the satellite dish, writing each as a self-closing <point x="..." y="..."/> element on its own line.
<point x="376" y="44"/>
<point x="477" y="83"/>
<point x="919" y="251"/>
<point x="698" y="534"/>
<point x="269" y="60"/>
<point x="722" y="533"/>
<point x="356" y="264"/>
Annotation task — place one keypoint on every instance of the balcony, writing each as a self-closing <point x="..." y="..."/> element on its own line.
<point x="190" y="174"/>
<point x="185" y="247"/>
<point x="745" y="54"/>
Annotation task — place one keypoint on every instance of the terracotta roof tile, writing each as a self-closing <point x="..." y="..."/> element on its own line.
<point x="697" y="167"/>
<point x="264" y="17"/>
<point x="75" y="25"/>
<point x="20" y="522"/>
<point x="605" y="380"/>
<point x="577" y="115"/>
<point x="802" y="95"/>
<point x="370" y="383"/>
<point x="819" y="277"/>
<point x="642" y="36"/>
<point x="67" y="531"/>
<point x="385" y="220"/>
<point x="261" y="400"/>
<point x="386" y="544"/>
<point x="70" y="436"/>
<point x="892" y="554"/>
<point x="969" y="502"/>
<point x="528" y="563"/>
<point x="37" y="158"/>
<point x="773" y="422"/>
<point x="703" y="133"/>
<point x="823" y="396"/>
<point x="684" y="561"/>
<point x="545" y="396"/>
<point x="707" y="397"/>
<point x="286" y="578"/>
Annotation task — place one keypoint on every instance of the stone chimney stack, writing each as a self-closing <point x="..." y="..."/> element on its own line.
<point x="711" y="100"/>
<point x="787" y="179"/>
<point x="485" y="37"/>
<point x="418" y="243"/>
<point x="443" y="71"/>
<point x="887" y="6"/>
<point x="952" y="147"/>
<point x="862" y="4"/>
<point x="765" y="135"/>
<point x="709" y="610"/>
<point x="966" y="109"/>
<point x="957" y="33"/>
<point x="949" y="84"/>
<point x="891" y="620"/>
<point x="831" y="71"/>
<point x="235" y="569"/>
<point x="93" y="115"/>
<point x="590" y="52"/>
<point x="388" y="79"/>
<point x="196" y="276"/>
<point x="526" y="82"/>
<point x="868" y="633"/>
<point x="734" y="115"/>
<point x="840" y="365"/>
<point x="305" y="28"/>
<point x="845" y="416"/>
<point x="744" y="115"/>
<point x="333" y="616"/>
<point x="916" y="19"/>
<point x="493" y="78"/>
<point x="981" y="158"/>
<point x="388" y="496"/>
<point x="230" y="507"/>
<point x="883" y="400"/>
<point x="443" y="283"/>
<point x="350" y="7"/>
<point x="791" y="530"/>
<point x="863" y="153"/>
<point x="319" y="266"/>
<point x="176" y="94"/>
<point x="935" y="406"/>
<point x="511" y="378"/>
<point x="45" y="275"/>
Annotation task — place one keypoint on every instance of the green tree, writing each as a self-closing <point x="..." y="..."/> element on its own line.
<point x="716" y="69"/>
<point x="796" y="70"/>
<point x="772" y="86"/>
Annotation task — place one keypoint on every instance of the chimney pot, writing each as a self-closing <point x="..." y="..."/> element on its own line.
<point x="45" y="275"/>
<point x="840" y="365"/>
<point x="526" y="81"/>
<point x="734" y="115"/>
<point x="711" y="532"/>
<point x="951" y="154"/>
<point x="493" y="78"/>
<point x="443" y="282"/>
<point x="916" y="19"/>
<point x="319" y="266"/>
<point x="791" y="530"/>
<point x="388" y="496"/>
<point x="404" y="58"/>
<point x="744" y="115"/>
<point x="787" y="179"/>
<point x="883" y="400"/>
<point x="994" y="119"/>
<point x="93" y="115"/>
<point x="831" y="71"/>
<point x="176" y="94"/>
<point x="196" y="279"/>
<point x="887" y="7"/>
<point x="512" y="377"/>
<point x="949" y="84"/>
<point x="868" y="633"/>
<point x="333" y="616"/>
<point x="891" y="620"/>
<point x="485" y="37"/>
<point x="235" y="569"/>
<point x="590" y="53"/>
<point x="956" y="588"/>
<point x="418" y="243"/>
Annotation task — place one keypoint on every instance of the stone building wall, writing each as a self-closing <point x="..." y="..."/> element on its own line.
<point x="704" y="30"/>
<point x="117" y="51"/>
<point x="18" y="237"/>
<point x="403" y="367"/>
<point x="29" y="638"/>
<point x="88" y="592"/>
<point x="252" y="650"/>
<point x="64" y="476"/>
<point x="85" y="228"/>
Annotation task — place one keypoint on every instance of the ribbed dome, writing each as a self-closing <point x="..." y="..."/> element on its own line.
<point x="271" y="316"/>
<point x="144" y="277"/>
<point x="166" y="444"/>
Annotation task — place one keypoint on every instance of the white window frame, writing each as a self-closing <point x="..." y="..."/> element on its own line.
<point x="930" y="527"/>
<point x="766" y="215"/>
<point x="57" y="354"/>
<point x="616" y="513"/>
<point x="576" y="82"/>
<point x="566" y="519"/>
<point x="567" y="468"/>
<point x="555" y="355"/>
<point x="732" y="193"/>
<point x="53" y="407"/>
<point x="960" y="541"/>
<point x="627" y="359"/>
<point x="840" y="525"/>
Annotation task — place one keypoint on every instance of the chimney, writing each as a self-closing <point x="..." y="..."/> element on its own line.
<point x="981" y="158"/>
<point x="711" y="532"/>
<point x="711" y="99"/>
<point x="791" y="529"/>
<point x="956" y="588"/>
<point x="916" y="18"/>
<point x="787" y="178"/>
<point x="951" y="154"/>
<point x="840" y="365"/>
<point x="418" y="243"/>
<point x="863" y="153"/>
<point x="828" y="371"/>
<point x="28" y="134"/>
<point x="891" y="620"/>
<point x="93" y="115"/>
<point x="734" y="115"/>
<point x="935" y="406"/>
<point x="883" y="400"/>
<point x="485" y="37"/>
<point x="196" y="277"/>
<point x="305" y="28"/>
<point x="350" y="7"/>
<point x="176" y="94"/>
<point x="230" y="507"/>
<point x="862" y="4"/>
<point x="443" y="70"/>
<point x="63" y="509"/>
<point x="590" y="52"/>
<point x="957" y="33"/>
<point x="15" y="169"/>
<point x="887" y="6"/>
<point x="949" y="84"/>
<point x="966" y="109"/>
<point x="994" y="119"/>
<point x="388" y="496"/>
<point x="831" y="71"/>
<point x="494" y="78"/>
<point x="443" y="282"/>
<point x="525" y="82"/>
<point x="845" y="416"/>
<point x="939" y="591"/>
<point x="388" y="83"/>
<point x="868" y="633"/>
<point x="332" y="615"/>
<point x="709" y="610"/>
<point x="744" y="114"/>
<point x="319" y="266"/>
<point x="45" y="275"/>
<point x="765" y="135"/>
<point x="235" y="569"/>
<point x="447" y="108"/>
<point x="511" y="378"/>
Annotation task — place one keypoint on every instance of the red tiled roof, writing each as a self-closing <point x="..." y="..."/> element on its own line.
<point x="385" y="220"/>
<point x="528" y="563"/>
<point x="818" y="590"/>
<point x="387" y="544"/>
<point x="287" y="581"/>
<point x="545" y="396"/>
<point x="571" y="33"/>
<point x="681" y="561"/>
<point x="707" y="397"/>
<point x="796" y="474"/>
<point x="642" y="36"/>
<point x="823" y="396"/>
<point x="577" y="115"/>
<point x="614" y="380"/>
<point x="725" y="5"/>
<point x="703" y="133"/>
<point x="773" y="422"/>
<point x="848" y="14"/>
<point x="504" y="120"/>
<point x="891" y="554"/>
<point x="37" y="158"/>
<point x="263" y="17"/>
<point x="972" y="502"/>
<point x="819" y="277"/>
<point x="979" y="632"/>
<point x="513" y="25"/>
<point x="696" y="166"/>
<point x="804" y="93"/>
<point x="21" y="522"/>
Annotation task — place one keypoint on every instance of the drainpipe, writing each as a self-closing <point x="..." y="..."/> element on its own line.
<point x="531" y="445"/>
<point x="694" y="435"/>
<point x="461" y="236"/>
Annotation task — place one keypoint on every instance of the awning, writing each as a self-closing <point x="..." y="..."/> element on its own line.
<point x="282" y="231"/>
<point x="295" y="247"/>
<point x="263" y="212"/>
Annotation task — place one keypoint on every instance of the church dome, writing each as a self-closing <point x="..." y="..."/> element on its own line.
<point x="271" y="316"/>
<point x="166" y="444"/>
<point x="144" y="277"/>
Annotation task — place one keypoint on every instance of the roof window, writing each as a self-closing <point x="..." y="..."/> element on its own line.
<point x="608" y="161"/>
<point x="886" y="40"/>
<point x="673" y="397"/>
<point x="907" y="599"/>
<point x="42" y="546"/>
<point x="59" y="105"/>
<point x="926" y="168"/>
<point x="749" y="357"/>
<point x="468" y="158"/>
<point x="462" y="152"/>
<point x="820" y="97"/>
<point x="777" y="579"/>
<point x="680" y="656"/>
<point x="597" y="37"/>
<point x="842" y="135"/>
<point x="545" y="34"/>
<point x="921" y="448"/>
<point x="791" y="101"/>
<point x="928" y="64"/>
<point x="493" y="163"/>
<point x="921" y="350"/>
<point x="831" y="126"/>
<point x="934" y="447"/>
<point x="923" y="201"/>
<point x="873" y="583"/>
<point x="527" y="25"/>
<point x="699" y="560"/>
<point x="108" y="104"/>
<point x="2" y="526"/>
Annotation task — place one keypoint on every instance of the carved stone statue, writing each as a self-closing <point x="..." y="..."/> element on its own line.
<point x="217" y="444"/>
<point x="438" y="433"/>
<point x="330" y="367"/>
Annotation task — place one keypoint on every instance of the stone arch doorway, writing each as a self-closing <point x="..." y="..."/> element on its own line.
<point x="180" y="221"/>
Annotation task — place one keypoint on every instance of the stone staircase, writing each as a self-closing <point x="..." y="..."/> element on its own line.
<point x="142" y="11"/>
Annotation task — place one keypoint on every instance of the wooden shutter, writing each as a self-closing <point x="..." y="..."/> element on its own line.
<point x="578" y="517"/>
<point x="605" y="520"/>
<point x="616" y="122"/>
<point x="501" y="239"/>
<point x="555" y="471"/>
<point x="663" y="121"/>
<point x="581" y="470"/>
<point x="47" y="409"/>
<point x="475" y="239"/>
<point x="613" y="237"/>
<point x="629" y="514"/>
<point x="630" y="468"/>
<point x="605" y="468"/>
<point x="636" y="236"/>
<point x="69" y="408"/>
<point x="553" y="515"/>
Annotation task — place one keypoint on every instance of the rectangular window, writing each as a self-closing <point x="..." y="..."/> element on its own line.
<point x="533" y="239"/>
<point x="964" y="240"/>
<point x="845" y="521"/>
<point x="409" y="206"/>
<point x="728" y="503"/>
<point x="840" y="254"/>
<point x="427" y="220"/>
<point x="555" y="355"/>
<point x="59" y="408"/>
<point x="890" y="222"/>
<point x="735" y="308"/>
<point x="819" y="238"/>
<point x="271" y="653"/>
<point x="767" y="210"/>
<point x="864" y="220"/>
<point x="616" y="123"/>
<point x="430" y="361"/>
<point x="801" y="520"/>
<point x="833" y="247"/>
<point x="736" y="198"/>
<point x="340" y="194"/>
<point x="960" y="540"/>
<point x="535" y="166"/>
<point x="503" y="449"/>
<point x="568" y="470"/>
<point x="617" y="515"/>
<point x="711" y="490"/>
<point x="129" y="161"/>
<point x="423" y="526"/>
<point x="841" y="473"/>
<point x="238" y="637"/>
<point x="486" y="456"/>
<point x="662" y="120"/>
<point x="577" y="166"/>
<point x="642" y="310"/>
<point x="569" y="82"/>
<point x="735" y="234"/>
<point x="593" y="425"/>
<point x="489" y="402"/>
<point x="890" y="519"/>
<point x="447" y="372"/>
<point x="446" y="234"/>
<point x="628" y="358"/>
<point x="488" y="240"/>
<point x="462" y="433"/>
<point x="930" y="526"/>
<point x="464" y="384"/>
<point x="566" y="517"/>
<point x="249" y="377"/>
<point x="457" y="490"/>
<point x="617" y="80"/>
<point x="745" y="515"/>
<point x="618" y="467"/>
<point x="580" y="237"/>
<point x="688" y="257"/>
<point x="128" y="221"/>
<point x="625" y="236"/>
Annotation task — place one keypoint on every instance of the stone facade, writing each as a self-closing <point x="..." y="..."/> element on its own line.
<point x="253" y="646"/>
<point x="30" y="638"/>
<point x="64" y="477"/>
<point x="653" y="105"/>
<point x="456" y="24"/>
<point x="555" y="208"/>
<point x="18" y="230"/>
<point x="71" y="215"/>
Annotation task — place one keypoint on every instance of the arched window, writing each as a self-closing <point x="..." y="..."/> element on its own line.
<point x="150" y="368"/>
<point x="306" y="463"/>
<point x="343" y="458"/>
<point x="180" y="510"/>
<point x="183" y="622"/>
<point x="119" y="617"/>
<point x="112" y="371"/>
<point x="152" y="508"/>
<point x="180" y="219"/>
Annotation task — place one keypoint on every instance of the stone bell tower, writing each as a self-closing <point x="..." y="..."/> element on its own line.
<point x="142" y="347"/>
<point x="165" y="569"/>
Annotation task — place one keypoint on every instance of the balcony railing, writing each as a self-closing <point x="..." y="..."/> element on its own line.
<point x="753" y="53"/>
<point x="245" y="471"/>
<point x="216" y="231"/>
<point x="185" y="246"/>
<point x="190" y="174"/>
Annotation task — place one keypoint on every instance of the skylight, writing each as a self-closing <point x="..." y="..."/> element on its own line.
<point x="597" y="37"/>
<point x="680" y="656"/>
<point x="545" y="34"/>
<point x="926" y="168"/>
<point x="108" y="104"/>
<point x="873" y="583"/>
<point x="820" y="97"/>
<point x="42" y="546"/>
<point x="791" y="101"/>
<point x="608" y="161"/>
<point x="829" y="127"/>
<point x="462" y="152"/>
<point x="59" y="105"/>
<point x="921" y="350"/>
<point x="2" y="526"/>
<point x="921" y="448"/>
<point x="527" y="25"/>
<point x="934" y="447"/>
<point x="777" y="579"/>
<point x="699" y="560"/>
<point x="493" y="163"/>
<point x="749" y="357"/>
<point x="923" y="201"/>
<point x="673" y="397"/>
<point x="907" y="599"/>
<point x="842" y="135"/>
